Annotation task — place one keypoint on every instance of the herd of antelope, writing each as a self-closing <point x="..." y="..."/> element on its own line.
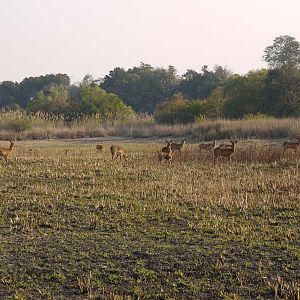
<point x="167" y="152"/>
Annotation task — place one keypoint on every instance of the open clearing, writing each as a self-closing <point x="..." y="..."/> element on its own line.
<point x="78" y="225"/>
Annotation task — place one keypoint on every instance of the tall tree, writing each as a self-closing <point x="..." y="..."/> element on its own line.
<point x="97" y="101"/>
<point x="285" y="51"/>
<point x="30" y="86"/>
<point x="54" y="100"/>
<point x="8" y="93"/>
<point x="200" y="85"/>
<point x="282" y="92"/>
<point x="142" y="87"/>
<point x="245" y="94"/>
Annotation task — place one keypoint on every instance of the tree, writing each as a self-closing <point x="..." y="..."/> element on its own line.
<point x="282" y="92"/>
<point x="8" y="93"/>
<point x="30" y="86"/>
<point x="200" y="85"/>
<point x="285" y="51"/>
<point x="142" y="87"/>
<point x="172" y="110"/>
<point x="54" y="100"/>
<point x="245" y="94"/>
<point x="97" y="101"/>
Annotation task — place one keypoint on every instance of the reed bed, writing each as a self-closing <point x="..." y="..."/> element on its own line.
<point x="19" y="125"/>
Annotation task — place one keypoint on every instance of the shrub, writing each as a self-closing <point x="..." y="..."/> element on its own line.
<point x="18" y="125"/>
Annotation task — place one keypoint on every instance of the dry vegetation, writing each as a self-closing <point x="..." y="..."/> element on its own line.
<point x="18" y="125"/>
<point x="78" y="225"/>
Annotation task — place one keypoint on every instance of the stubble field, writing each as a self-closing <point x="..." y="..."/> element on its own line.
<point x="77" y="225"/>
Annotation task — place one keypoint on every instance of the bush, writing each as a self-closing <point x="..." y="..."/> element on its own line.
<point x="18" y="125"/>
<point x="256" y="116"/>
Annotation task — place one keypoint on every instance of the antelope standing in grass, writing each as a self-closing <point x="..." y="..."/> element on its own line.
<point x="228" y="146"/>
<point x="207" y="147"/>
<point x="225" y="152"/>
<point x="5" y="152"/>
<point x="99" y="148"/>
<point x="118" y="151"/>
<point x="165" y="153"/>
<point x="177" y="147"/>
<point x="291" y="145"/>
<point x="168" y="148"/>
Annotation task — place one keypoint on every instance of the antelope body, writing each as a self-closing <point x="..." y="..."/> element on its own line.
<point x="228" y="146"/>
<point x="207" y="147"/>
<point x="178" y="147"/>
<point x="168" y="148"/>
<point x="118" y="151"/>
<point x="165" y="153"/>
<point x="5" y="152"/>
<point x="99" y="148"/>
<point x="225" y="152"/>
<point x="291" y="145"/>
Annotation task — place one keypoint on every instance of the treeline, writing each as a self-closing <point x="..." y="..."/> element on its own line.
<point x="210" y="93"/>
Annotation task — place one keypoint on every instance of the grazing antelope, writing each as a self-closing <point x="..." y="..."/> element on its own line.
<point x="207" y="147"/>
<point x="5" y="152"/>
<point x="118" y="151"/>
<point x="226" y="152"/>
<point x="165" y="153"/>
<point x="291" y="145"/>
<point x="178" y="147"/>
<point x="99" y="148"/>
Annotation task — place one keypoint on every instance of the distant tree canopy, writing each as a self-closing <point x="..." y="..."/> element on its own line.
<point x="142" y="87"/>
<point x="54" y="100"/>
<point x="97" y="101"/>
<point x="171" y="98"/>
<point x="21" y="93"/>
<point x="196" y="85"/>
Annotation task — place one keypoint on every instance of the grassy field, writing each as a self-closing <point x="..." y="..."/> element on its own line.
<point x="77" y="225"/>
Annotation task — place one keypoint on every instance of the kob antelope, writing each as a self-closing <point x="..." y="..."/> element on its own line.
<point x="228" y="146"/>
<point x="177" y="147"/>
<point x="291" y="145"/>
<point x="165" y="153"/>
<point x="118" y="151"/>
<point x="99" y="148"/>
<point x="225" y="152"/>
<point x="5" y="152"/>
<point x="168" y="148"/>
<point x="207" y="147"/>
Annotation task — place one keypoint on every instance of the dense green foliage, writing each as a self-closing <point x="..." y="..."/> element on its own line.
<point x="285" y="51"/>
<point x="142" y="87"/>
<point x="171" y="98"/>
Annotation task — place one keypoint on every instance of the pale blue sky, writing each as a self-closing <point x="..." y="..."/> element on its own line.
<point x="94" y="36"/>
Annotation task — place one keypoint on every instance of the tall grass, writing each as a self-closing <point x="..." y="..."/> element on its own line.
<point x="19" y="125"/>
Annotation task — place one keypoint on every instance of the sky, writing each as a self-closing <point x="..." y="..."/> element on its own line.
<point x="80" y="37"/>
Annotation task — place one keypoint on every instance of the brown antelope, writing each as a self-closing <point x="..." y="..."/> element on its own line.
<point x="165" y="153"/>
<point x="226" y="152"/>
<point x="178" y="147"/>
<point x="99" y="148"/>
<point x="228" y="146"/>
<point x="168" y="148"/>
<point x="5" y="152"/>
<point x="207" y="147"/>
<point x="118" y="151"/>
<point x="291" y="145"/>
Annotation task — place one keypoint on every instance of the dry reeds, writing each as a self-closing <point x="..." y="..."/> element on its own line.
<point x="45" y="126"/>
